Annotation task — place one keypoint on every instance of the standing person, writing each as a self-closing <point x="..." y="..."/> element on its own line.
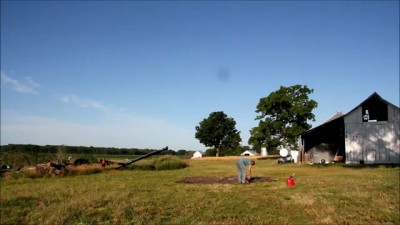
<point x="243" y="176"/>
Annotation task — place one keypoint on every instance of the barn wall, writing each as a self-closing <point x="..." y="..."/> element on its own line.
<point x="372" y="142"/>
<point x="394" y="114"/>
<point x="354" y="117"/>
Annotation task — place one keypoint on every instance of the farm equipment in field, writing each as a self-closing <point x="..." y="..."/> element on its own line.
<point x="7" y="169"/>
<point x="285" y="157"/>
<point x="124" y="164"/>
<point x="51" y="169"/>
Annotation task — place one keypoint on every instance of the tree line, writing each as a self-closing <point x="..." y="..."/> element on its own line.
<point x="84" y="150"/>
<point x="53" y="149"/>
<point x="19" y="155"/>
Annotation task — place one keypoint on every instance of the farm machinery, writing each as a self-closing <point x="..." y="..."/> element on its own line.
<point x="124" y="164"/>
<point x="285" y="157"/>
<point x="59" y="169"/>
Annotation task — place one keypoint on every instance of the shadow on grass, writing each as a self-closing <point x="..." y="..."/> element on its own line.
<point x="363" y="166"/>
<point x="16" y="210"/>
<point x="359" y="166"/>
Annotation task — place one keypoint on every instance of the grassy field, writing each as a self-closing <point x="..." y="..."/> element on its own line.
<point x="322" y="195"/>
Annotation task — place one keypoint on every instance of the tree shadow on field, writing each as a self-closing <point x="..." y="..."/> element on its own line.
<point x="364" y="166"/>
<point x="16" y="210"/>
<point x="220" y="180"/>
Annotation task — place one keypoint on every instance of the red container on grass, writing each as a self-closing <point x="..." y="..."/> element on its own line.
<point x="290" y="182"/>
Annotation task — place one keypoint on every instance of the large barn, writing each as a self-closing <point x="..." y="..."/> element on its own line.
<point x="370" y="133"/>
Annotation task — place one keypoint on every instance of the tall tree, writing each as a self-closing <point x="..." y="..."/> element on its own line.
<point x="283" y="116"/>
<point x="218" y="131"/>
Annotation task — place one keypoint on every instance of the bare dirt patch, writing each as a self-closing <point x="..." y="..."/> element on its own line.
<point x="220" y="180"/>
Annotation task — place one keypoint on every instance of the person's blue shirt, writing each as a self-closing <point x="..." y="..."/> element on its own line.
<point x="245" y="161"/>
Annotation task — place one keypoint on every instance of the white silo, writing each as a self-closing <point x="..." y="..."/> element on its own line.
<point x="264" y="151"/>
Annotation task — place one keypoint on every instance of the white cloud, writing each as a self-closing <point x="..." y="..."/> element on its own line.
<point x="65" y="99"/>
<point x="26" y="86"/>
<point x="85" y="102"/>
<point x="31" y="82"/>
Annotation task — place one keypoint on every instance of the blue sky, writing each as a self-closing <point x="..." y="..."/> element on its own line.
<point x="135" y="74"/>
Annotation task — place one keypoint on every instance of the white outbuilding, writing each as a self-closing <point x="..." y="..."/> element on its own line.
<point x="197" y="155"/>
<point x="295" y="155"/>
<point x="249" y="153"/>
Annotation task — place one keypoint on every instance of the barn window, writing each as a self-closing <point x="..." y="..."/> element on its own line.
<point x="374" y="110"/>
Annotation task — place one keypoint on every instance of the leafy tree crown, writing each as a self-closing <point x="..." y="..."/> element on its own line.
<point x="283" y="115"/>
<point x="218" y="131"/>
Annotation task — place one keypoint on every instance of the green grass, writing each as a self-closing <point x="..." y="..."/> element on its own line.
<point x="166" y="162"/>
<point x="321" y="195"/>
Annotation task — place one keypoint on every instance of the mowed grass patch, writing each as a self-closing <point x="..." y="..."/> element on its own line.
<point x="321" y="195"/>
<point x="166" y="162"/>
